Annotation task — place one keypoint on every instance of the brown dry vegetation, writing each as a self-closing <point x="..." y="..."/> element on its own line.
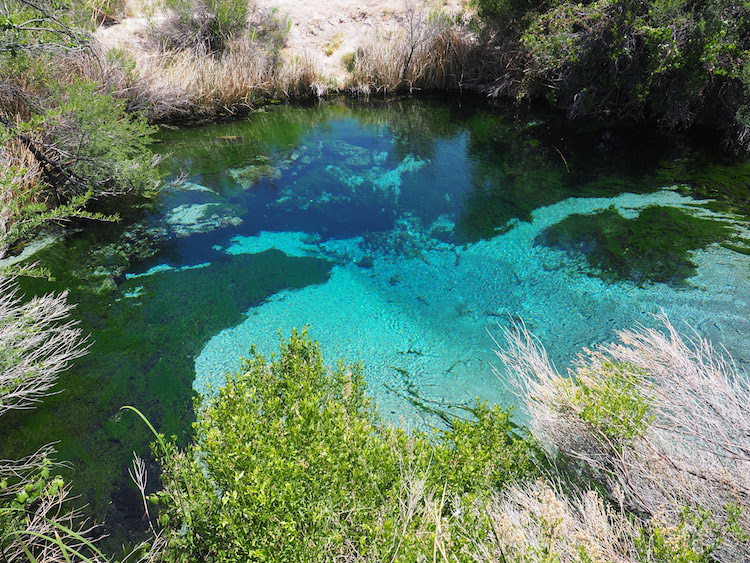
<point x="414" y="47"/>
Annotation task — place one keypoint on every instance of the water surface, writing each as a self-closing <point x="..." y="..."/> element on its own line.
<point x="404" y="234"/>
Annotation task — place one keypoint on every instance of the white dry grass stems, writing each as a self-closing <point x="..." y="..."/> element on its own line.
<point x="538" y="522"/>
<point x="37" y="342"/>
<point x="695" y="449"/>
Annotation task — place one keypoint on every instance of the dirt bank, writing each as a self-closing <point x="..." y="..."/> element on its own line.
<point x="322" y="31"/>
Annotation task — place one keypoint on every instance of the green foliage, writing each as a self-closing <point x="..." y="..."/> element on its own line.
<point x="673" y="60"/>
<point x="692" y="539"/>
<point x="290" y="462"/>
<point x="609" y="396"/>
<point x="88" y="148"/>
<point x="110" y="145"/>
<point x="508" y="15"/>
<point x="481" y="454"/>
<point x="349" y="61"/>
<point x="42" y="26"/>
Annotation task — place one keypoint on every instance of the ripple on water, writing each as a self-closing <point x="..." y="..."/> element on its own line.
<point x="432" y="316"/>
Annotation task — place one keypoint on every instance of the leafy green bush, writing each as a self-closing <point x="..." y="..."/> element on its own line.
<point x="85" y="147"/>
<point x="290" y="463"/>
<point x="676" y="61"/>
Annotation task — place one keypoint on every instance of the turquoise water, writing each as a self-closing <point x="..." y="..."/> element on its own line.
<point x="405" y="235"/>
<point x="434" y="219"/>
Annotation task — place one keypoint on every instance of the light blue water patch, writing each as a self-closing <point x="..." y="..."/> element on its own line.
<point x="433" y="315"/>
<point x="165" y="268"/>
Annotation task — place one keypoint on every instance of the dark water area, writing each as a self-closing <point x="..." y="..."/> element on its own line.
<point x="401" y="232"/>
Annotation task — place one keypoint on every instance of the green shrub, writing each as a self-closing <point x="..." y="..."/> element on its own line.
<point x="290" y="462"/>
<point x="205" y="26"/>
<point x="84" y="148"/>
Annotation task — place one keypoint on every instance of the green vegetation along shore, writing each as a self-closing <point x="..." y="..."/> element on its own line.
<point x="643" y="455"/>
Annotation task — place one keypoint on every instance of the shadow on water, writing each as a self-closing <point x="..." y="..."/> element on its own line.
<point x="142" y="353"/>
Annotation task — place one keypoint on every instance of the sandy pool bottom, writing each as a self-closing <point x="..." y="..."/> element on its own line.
<point x="434" y="316"/>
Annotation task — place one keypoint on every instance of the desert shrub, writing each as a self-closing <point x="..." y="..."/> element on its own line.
<point x="202" y="26"/>
<point x="290" y="462"/>
<point x="36" y="344"/>
<point x="658" y="423"/>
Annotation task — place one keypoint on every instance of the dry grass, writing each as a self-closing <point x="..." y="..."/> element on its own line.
<point x="37" y="343"/>
<point x="184" y="85"/>
<point x="422" y="49"/>
<point x="694" y="448"/>
<point x="538" y="522"/>
<point x="426" y="50"/>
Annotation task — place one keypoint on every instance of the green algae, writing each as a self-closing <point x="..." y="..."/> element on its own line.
<point x="727" y="182"/>
<point x="142" y="353"/>
<point x="652" y="247"/>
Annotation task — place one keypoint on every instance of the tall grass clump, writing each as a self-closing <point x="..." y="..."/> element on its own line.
<point x="200" y="26"/>
<point x="427" y="49"/>
<point x="201" y="60"/>
<point x="658" y="423"/>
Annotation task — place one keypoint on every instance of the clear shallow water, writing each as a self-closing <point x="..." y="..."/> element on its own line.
<point x="430" y="219"/>
<point x="402" y="233"/>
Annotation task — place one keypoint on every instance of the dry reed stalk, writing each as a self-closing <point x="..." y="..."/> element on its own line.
<point x="44" y="533"/>
<point x="297" y="76"/>
<point x="439" y="58"/>
<point x="540" y="523"/>
<point x="694" y="450"/>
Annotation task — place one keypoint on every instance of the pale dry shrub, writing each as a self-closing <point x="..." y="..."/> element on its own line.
<point x="37" y="342"/>
<point x="660" y="418"/>
<point x="424" y="50"/>
<point x="538" y="522"/>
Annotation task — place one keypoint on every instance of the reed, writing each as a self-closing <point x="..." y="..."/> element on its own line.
<point x="426" y="50"/>
<point x="656" y="420"/>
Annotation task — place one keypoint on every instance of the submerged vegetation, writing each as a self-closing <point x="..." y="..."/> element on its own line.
<point x="652" y="247"/>
<point x="641" y="453"/>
